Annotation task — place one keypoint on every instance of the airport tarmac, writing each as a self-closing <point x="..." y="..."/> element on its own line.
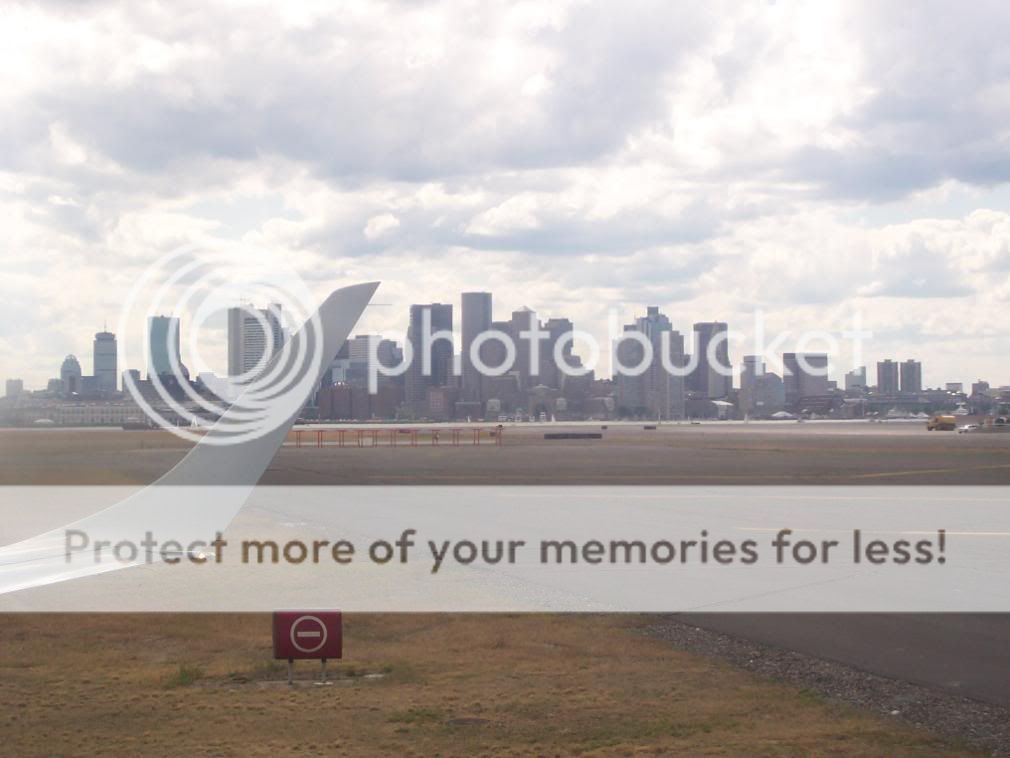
<point x="961" y="654"/>
<point x="842" y="453"/>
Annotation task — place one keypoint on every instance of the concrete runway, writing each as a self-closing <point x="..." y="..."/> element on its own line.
<point x="964" y="654"/>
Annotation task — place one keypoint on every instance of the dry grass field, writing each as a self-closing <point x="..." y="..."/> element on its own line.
<point x="409" y="685"/>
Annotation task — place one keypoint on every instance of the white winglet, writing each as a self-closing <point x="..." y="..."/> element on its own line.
<point x="163" y="508"/>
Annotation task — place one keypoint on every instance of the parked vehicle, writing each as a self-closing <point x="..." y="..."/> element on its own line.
<point x="942" y="423"/>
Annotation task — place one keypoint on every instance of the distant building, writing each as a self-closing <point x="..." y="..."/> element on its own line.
<point x="361" y="404"/>
<point x="911" y="376"/>
<point x="334" y="402"/>
<point x="163" y="346"/>
<point x="359" y="350"/>
<point x="494" y="355"/>
<point x="652" y="391"/>
<point x="887" y="377"/>
<point x="476" y="319"/>
<point x="442" y="403"/>
<point x="761" y="392"/>
<point x="980" y="400"/>
<point x="386" y="401"/>
<point x="955" y="387"/>
<point x="359" y="347"/>
<point x="855" y="380"/>
<point x="254" y="336"/>
<point x="106" y="362"/>
<point x="551" y="372"/>
<point x="14" y="387"/>
<point x="440" y="354"/>
<point x="70" y="375"/>
<point x="750" y="370"/>
<point x="503" y="391"/>
<point x="523" y="321"/>
<point x="805" y="376"/>
<point x="712" y="376"/>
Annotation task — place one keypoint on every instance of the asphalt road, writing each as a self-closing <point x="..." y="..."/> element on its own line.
<point x="963" y="654"/>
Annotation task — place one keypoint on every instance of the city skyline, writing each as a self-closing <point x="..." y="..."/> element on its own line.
<point x="384" y="320"/>
<point x="243" y="350"/>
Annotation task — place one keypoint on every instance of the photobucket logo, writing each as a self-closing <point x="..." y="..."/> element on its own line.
<point x="633" y="350"/>
<point x="201" y="296"/>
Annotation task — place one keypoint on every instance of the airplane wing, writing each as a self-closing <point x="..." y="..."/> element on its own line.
<point x="227" y="455"/>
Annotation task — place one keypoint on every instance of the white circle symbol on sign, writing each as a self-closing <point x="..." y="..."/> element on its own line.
<point x="316" y="637"/>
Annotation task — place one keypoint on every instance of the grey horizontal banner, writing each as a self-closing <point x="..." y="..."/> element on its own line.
<point x="568" y="549"/>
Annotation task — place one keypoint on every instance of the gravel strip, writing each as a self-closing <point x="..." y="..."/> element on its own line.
<point x="978" y="725"/>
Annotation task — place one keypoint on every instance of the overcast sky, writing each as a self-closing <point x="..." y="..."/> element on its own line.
<point x="809" y="159"/>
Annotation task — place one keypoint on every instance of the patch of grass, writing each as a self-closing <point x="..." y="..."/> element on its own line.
<point x="184" y="677"/>
<point x="401" y="672"/>
<point x="416" y="716"/>
<point x="560" y="686"/>
<point x="268" y="669"/>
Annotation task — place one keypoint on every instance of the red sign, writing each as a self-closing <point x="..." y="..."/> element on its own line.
<point x="308" y="634"/>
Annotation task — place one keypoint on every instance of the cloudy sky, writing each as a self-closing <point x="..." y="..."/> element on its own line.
<point x="811" y="160"/>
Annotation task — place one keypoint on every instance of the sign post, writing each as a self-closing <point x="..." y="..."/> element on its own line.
<point x="312" y="635"/>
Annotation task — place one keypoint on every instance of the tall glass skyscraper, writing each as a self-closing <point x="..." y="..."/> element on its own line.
<point x="163" y="346"/>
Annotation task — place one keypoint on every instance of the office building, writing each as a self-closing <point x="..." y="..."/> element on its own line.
<point x="751" y="369"/>
<point x="14" y="387"/>
<point x="805" y="376"/>
<point x="476" y="319"/>
<point x="70" y="376"/>
<point x="523" y="321"/>
<point x="712" y="376"/>
<point x="439" y="358"/>
<point x="762" y="393"/>
<point x="855" y="380"/>
<point x="254" y="336"/>
<point x="163" y="346"/>
<point x="106" y="362"/>
<point x="911" y="376"/>
<point x="552" y="371"/>
<point x="887" y="377"/>
<point x="654" y="391"/>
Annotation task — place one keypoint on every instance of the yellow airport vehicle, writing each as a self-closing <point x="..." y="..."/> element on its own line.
<point x="942" y="423"/>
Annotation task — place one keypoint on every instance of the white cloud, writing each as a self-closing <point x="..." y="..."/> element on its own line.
<point x="804" y="157"/>
<point x="380" y="225"/>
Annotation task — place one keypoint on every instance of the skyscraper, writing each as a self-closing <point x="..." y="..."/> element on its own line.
<point x="106" y="362"/>
<point x="476" y="318"/>
<point x="713" y="373"/>
<point x="752" y="368"/>
<point x="525" y="320"/>
<point x="655" y="391"/>
<point x="163" y="346"/>
<point x="855" y="380"/>
<point x="805" y="376"/>
<point x="70" y="375"/>
<point x="440" y="354"/>
<point x="761" y="392"/>
<point x="252" y="335"/>
<point x="887" y="377"/>
<point x="551" y="373"/>
<point x="911" y="376"/>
